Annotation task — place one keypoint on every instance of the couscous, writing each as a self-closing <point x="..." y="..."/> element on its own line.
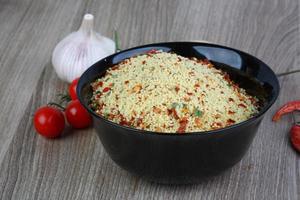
<point x="167" y="93"/>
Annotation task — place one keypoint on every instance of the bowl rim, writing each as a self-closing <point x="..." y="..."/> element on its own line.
<point x="186" y="134"/>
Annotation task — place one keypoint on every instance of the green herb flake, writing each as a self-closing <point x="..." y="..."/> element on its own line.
<point x="197" y="112"/>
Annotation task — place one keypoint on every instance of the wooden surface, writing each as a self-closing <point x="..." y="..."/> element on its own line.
<point x="76" y="166"/>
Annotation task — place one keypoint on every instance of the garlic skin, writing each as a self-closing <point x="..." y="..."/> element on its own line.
<point x="79" y="50"/>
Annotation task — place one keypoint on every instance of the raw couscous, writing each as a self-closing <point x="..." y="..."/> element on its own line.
<point x="167" y="93"/>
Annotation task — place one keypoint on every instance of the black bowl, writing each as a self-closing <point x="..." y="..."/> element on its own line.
<point x="186" y="158"/>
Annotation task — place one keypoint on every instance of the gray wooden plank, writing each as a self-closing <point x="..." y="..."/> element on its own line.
<point x="267" y="29"/>
<point x="28" y="46"/>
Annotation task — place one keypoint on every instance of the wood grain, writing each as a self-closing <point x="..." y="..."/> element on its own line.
<point x="76" y="166"/>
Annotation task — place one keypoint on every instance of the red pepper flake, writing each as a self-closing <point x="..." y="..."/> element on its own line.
<point x="111" y="116"/>
<point x="152" y="51"/>
<point x="182" y="125"/>
<point x="253" y="100"/>
<point x="177" y="88"/>
<point x="139" y="121"/>
<point x="144" y="62"/>
<point x="207" y="85"/>
<point x="124" y="61"/>
<point x="204" y="62"/>
<point x="156" y="110"/>
<point x="98" y="96"/>
<point x="115" y="67"/>
<point x="131" y="120"/>
<point x="230" y="121"/>
<point x="196" y="85"/>
<point x="230" y="99"/>
<point x="143" y="114"/>
<point x="100" y="84"/>
<point x="231" y="112"/>
<point x="124" y="123"/>
<point x="227" y="78"/>
<point x="126" y="82"/>
<point x="106" y="89"/>
<point x="222" y="92"/>
<point x="235" y="86"/>
<point x="198" y="122"/>
<point x="173" y="113"/>
<point x="216" y="125"/>
<point x="134" y="113"/>
<point x="242" y="105"/>
<point x="169" y="111"/>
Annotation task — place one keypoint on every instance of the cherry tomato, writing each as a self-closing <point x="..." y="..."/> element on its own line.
<point x="295" y="137"/>
<point x="49" y="121"/>
<point x="72" y="89"/>
<point x="77" y="116"/>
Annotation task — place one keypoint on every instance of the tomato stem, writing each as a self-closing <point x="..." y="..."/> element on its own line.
<point x="296" y="119"/>
<point x="57" y="105"/>
<point x="64" y="98"/>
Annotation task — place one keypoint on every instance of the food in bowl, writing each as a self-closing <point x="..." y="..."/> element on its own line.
<point x="168" y="93"/>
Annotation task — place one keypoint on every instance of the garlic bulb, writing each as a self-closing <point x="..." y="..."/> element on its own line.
<point x="79" y="50"/>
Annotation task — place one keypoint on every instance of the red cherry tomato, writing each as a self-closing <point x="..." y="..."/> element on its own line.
<point x="77" y="116"/>
<point x="49" y="121"/>
<point x="295" y="137"/>
<point x="72" y="89"/>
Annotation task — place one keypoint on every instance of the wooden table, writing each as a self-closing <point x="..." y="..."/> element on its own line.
<point x="76" y="166"/>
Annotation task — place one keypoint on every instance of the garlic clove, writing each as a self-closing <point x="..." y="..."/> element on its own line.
<point x="79" y="50"/>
